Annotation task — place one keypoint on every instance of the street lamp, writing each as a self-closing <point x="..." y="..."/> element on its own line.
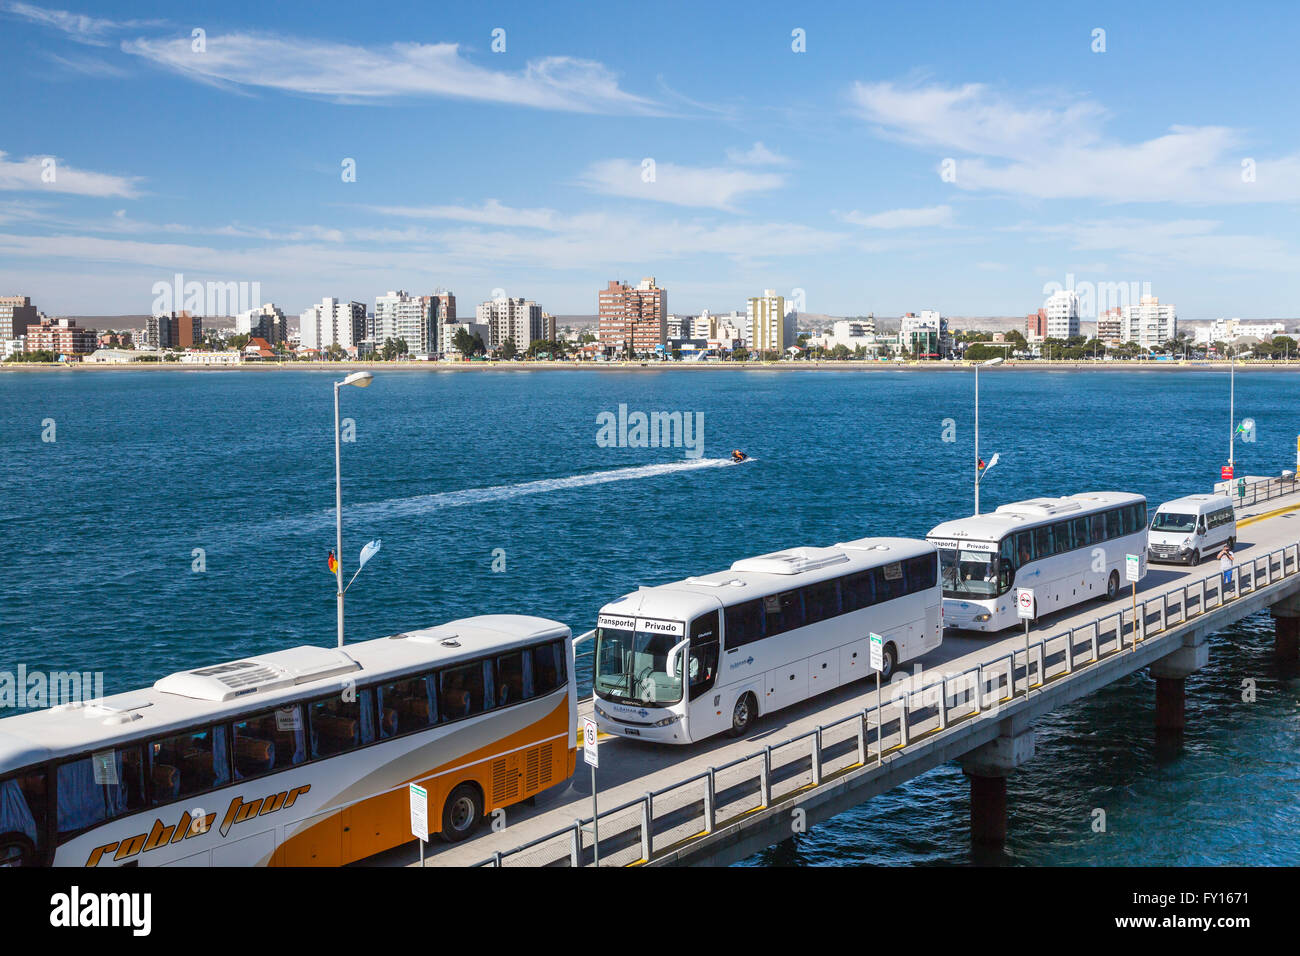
<point x="978" y="470"/>
<point x="360" y="380"/>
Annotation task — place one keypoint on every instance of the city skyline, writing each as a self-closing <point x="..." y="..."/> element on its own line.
<point x="269" y="148"/>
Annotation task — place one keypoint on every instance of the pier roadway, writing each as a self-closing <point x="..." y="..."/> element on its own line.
<point x="973" y="699"/>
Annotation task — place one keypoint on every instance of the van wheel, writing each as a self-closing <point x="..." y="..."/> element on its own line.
<point x="1196" y="557"/>
<point x="461" y="813"/>
<point x="743" y="715"/>
<point x="1112" y="586"/>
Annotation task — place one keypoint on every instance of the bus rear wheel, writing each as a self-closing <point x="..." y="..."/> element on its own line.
<point x="888" y="658"/>
<point x="743" y="715"/>
<point x="461" y="812"/>
<point x="1112" y="586"/>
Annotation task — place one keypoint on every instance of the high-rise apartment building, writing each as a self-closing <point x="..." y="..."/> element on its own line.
<point x="411" y="318"/>
<point x="1149" y="323"/>
<point x="267" y="323"/>
<point x="177" y="330"/>
<point x="1062" y="308"/>
<point x="331" y="322"/>
<point x="518" y="320"/>
<point x="16" y="313"/>
<point x="635" y="316"/>
<point x="1110" y="327"/>
<point x="768" y="327"/>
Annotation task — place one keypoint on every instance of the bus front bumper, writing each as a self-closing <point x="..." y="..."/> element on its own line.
<point x="965" y="615"/>
<point x="668" y="728"/>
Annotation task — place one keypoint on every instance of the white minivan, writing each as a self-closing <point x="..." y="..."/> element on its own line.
<point x="1188" y="529"/>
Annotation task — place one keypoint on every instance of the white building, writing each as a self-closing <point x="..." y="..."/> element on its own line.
<point x="212" y="358"/>
<point x="332" y="322"/>
<point x="1149" y="323"/>
<point x="268" y="323"/>
<point x="851" y="333"/>
<point x="1226" y="330"/>
<point x="411" y="318"/>
<point x="448" y="330"/>
<point x="1062" y="308"/>
<point x="516" y="319"/>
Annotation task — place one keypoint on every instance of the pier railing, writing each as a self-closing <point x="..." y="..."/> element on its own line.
<point x="1246" y="493"/>
<point x="912" y="709"/>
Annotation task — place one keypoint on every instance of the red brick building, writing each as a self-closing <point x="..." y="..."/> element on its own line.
<point x="1036" y="325"/>
<point x="63" y="337"/>
<point x="633" y="314"/>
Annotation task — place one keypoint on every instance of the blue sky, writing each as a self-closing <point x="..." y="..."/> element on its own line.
<point x="522" y="170"/>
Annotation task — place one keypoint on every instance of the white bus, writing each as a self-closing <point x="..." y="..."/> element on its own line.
<point x="300" y="757"/>
<point x="772" y="631"/>
<point x="1067" y="550"/>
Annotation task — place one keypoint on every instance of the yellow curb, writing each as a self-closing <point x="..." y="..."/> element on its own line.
<point x="1267" y="514"/>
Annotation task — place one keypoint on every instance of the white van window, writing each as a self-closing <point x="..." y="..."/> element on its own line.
<point x="1176" y="523"/>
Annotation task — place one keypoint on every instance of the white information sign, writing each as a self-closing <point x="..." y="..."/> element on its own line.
<point x="1134" y="568"/>
<point x="877" y="652"/>
<point x="419" y="812"/>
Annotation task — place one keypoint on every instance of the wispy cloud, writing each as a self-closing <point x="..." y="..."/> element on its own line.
<point x="899" y="218"/>
<point x="92" y="31"/>
<point x="705" y="187"/>
<point x="50" y="174"/>
<point x="350" y="73"/>
<point x="758" y="155"/>
<point x="1059" y="151"/>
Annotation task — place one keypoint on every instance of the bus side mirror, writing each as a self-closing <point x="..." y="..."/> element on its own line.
<point x="677" y="652"/>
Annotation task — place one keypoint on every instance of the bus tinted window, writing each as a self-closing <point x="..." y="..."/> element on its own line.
<point x="1044" y="541"/>
<point x="1113" y="523"/>
<point x="269" y="741"/>
<point x="857" y="591"/>
<point x="188" y="763"/>
<point x="922" y="572"/>
<point x="1062" y="533"/>
<point x="405" y="706"/>
<point x="1079" y="532"/>
<point x="509" y="679"/>
<point x="338" y="724"/>
<point x="744" y="623"/>
<point x="22" y="810"/>
<point x="888" y="581"/>
<point x="782" y="612"/>
<point x="1096" y="528"/>
<point x="98" y="788"/>
<point x="821" y="601"/>
<point x="462" y="691"/>
<point x="548" y="667"/>
<point x="703" y="666"/>
<point x="1024" y="548"/>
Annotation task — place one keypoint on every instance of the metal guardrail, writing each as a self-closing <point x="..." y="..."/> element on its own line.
<point x="1256" y="491"/>
<point x="631" y="833"/>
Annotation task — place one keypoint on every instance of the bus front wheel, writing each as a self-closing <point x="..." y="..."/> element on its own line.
<point x="743" y="715"/>
<point x="1112" y="586"/>
<point x="461" y="813"/>
<point x="888" y="658"/>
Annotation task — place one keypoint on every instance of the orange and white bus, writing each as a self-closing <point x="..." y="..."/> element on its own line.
<point x="300" y="757"/>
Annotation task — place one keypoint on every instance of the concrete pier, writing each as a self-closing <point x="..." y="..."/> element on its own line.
<point x="1171" y="673"/>
<point x="988" y="768"/>
<point x="1286" y="629"/>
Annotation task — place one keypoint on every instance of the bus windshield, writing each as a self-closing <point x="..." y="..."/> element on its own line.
<point x="968" y="573"/>
<point x="1164" y="521"/>
<point x="632" y="667"/>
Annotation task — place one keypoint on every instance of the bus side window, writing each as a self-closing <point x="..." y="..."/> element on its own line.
<point x="922" y="573"/>
<point x="1080" y="527"/>
<point x="857" y="591"/>
<point x="338" y="724"/>
<point x="1112" y="523"/>
<point x="1098" y="530"/>
<point x="782" y="612"/>
<point x="23" y="810"/>
<point x="460" y="690"/>
<point x="1062" y="534"/>
<point x="1043" y="541"/>
<point x="1024" y="548"/>
<point x="510" y="679"/>
<point x="100" y="787"/>
<point x="821" y="601"/>
<point x="406" y="705"/>
<point x="189" y="763"/>
<point x="268" y="741"/>
<point x="888" y="580"/>
<point x="548" y="669"/>
<point x="704" y="653"/>
<point x="744" y="623"/>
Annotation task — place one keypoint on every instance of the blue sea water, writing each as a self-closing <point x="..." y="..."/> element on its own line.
<point x="453" y="470"/>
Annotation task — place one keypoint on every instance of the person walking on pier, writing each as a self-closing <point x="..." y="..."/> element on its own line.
<point x="1225" y="565"/>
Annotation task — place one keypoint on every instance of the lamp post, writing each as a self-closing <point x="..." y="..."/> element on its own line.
<point x="992" y="361"/>
<point x="360" y="380"/>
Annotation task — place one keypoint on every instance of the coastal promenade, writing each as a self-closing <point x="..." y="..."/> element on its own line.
<point x="974" y="699"/>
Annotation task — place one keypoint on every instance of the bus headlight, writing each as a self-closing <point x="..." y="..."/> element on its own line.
<point x="599" y="711"/>
<point x="670" y="719"/>
<point x="983" y="616"/>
